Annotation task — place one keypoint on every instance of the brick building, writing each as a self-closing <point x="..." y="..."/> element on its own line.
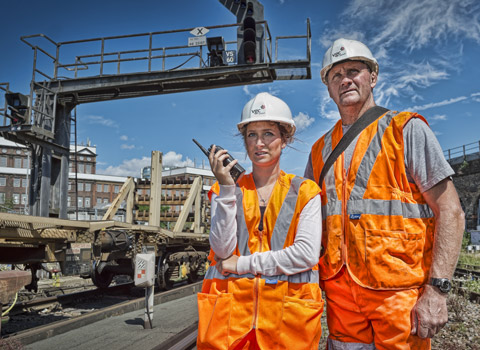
<point x="89" y="193"/>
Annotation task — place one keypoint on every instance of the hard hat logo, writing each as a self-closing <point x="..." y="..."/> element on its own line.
<point x="340" y="52"/>
<point x="260" y="110"/>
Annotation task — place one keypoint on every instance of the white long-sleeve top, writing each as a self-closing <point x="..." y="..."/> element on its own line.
<point x="302" y="255"/>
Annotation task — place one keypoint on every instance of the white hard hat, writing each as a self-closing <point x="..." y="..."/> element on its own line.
<point x="265" y="107"/>
<point x="343" y="50"/>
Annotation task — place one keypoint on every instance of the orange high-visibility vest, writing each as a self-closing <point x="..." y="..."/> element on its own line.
<point x="374" y="221"/>
<point x="284" y="311"/>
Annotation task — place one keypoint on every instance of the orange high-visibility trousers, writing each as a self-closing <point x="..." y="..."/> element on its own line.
<point x="361" y="318"/>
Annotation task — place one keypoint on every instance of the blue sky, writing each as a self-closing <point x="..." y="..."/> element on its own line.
<point x="428" y="52"/>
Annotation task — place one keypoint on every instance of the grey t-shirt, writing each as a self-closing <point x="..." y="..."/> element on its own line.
<point x="426" y="166"/>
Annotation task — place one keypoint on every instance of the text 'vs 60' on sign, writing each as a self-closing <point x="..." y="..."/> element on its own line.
<point x="230" y="57"/>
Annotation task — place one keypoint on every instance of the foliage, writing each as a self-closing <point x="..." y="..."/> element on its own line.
<point x="469" y="259"/>
<point x="7" y="206"/>
<point x="463" y="166"/>
<point x="466" y="239"/>
<point x="472" y="285"/>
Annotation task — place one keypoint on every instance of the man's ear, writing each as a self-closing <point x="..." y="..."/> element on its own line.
<point x="373" y="79"/>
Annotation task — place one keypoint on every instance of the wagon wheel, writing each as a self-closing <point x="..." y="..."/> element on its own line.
<point x="103" y="279"/>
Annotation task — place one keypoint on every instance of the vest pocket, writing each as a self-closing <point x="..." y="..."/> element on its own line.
<point x="213" y="320"/>
<point x="394" y="258"/>
<point x="300" y="327"/>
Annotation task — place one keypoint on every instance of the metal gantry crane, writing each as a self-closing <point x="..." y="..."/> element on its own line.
<point x="42" y="119"/>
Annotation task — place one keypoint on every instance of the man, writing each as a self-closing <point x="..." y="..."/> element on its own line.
<point x="393" y="223"/>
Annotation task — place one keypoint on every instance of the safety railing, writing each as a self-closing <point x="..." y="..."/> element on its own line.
<point x="68" y="62"/>
<point x="461" y="152"/>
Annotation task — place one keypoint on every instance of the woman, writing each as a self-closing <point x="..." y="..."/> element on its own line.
<point x="261" y="290"/>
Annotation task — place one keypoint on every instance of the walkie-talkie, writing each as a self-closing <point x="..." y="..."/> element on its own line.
<point x="237" y="169"/>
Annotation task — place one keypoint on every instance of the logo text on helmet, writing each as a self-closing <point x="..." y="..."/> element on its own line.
<point x="340" y="52"/>
<point x="260" y="110"/>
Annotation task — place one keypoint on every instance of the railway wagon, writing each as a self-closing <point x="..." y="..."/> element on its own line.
<point x="106" y="248"/>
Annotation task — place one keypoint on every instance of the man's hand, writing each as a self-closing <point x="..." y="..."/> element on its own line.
<point x="429" y="314"/>
<point x="228" y="265"/>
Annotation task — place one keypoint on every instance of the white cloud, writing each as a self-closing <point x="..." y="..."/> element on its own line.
<point x="129" y="167"/>
<point x="246" y="90"/>
<point x="97" y="119"/>
<point x="303" y="121"/>
<point x="475" y="96"/>
<point x="439" y="117"/>
<point x="124" y="137"/>
<point x="438" y="133"/>
<point x="437" y="104"/>
<point x="416" y="23"/>
<point x="125" y="146"/>
<point x="133" y="167"/>
<point x="174" y="159"/>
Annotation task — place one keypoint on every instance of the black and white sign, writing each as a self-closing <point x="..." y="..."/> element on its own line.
<point x="230" y="57"/>
<point x="197" y="41"/>
<point x="199" y="31"/>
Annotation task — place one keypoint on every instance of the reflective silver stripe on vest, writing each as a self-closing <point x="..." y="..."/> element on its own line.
<point x="339" y="345"/>
<point x="366" y="166"/>
<point x="379" y="207"/>
<point x="285" y="215"/>
<point x="329" y="176"/>
<point x="242" y="230"/>
<point x="390" y="208"/>
<point x="309" y="276"/>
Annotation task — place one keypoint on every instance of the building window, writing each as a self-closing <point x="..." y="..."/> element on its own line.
<point x="81" y="168"/>
<point x="16" y="198"/>
<point x="87" y="202"/>
<point x="99" y="201"/>
<point x="18" y="151"/>
<point x="69" y="201"/>
<point x="117" y="188"/>
<point x="3" y="161"/>
<point x="4" y="150"/>
<point x="88" y="168"/>
<point x="69" y="185"/>
<point x="2" y="198"/>
<point x="16" y="182"/>
<point x="80" y="202"/>
<point x="88" y="187"/>
<point x="105" y="200"/>
<point x="24" y="183"/>
<point x="24" y="199"/>
<point x="99" y="187"/>
<point x="80" y="186"/>
<point x="25" y="163"/>
<point x="3" y="181"/>
<point x="17" y="162"/>
<point x="105" y="188"/>
<point x="89" y="158"/>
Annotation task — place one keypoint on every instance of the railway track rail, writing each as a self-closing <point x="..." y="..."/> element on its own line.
<point x="36" y="334"/>
<point x="69" y="298"/>
<point x="464" y="272"/>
